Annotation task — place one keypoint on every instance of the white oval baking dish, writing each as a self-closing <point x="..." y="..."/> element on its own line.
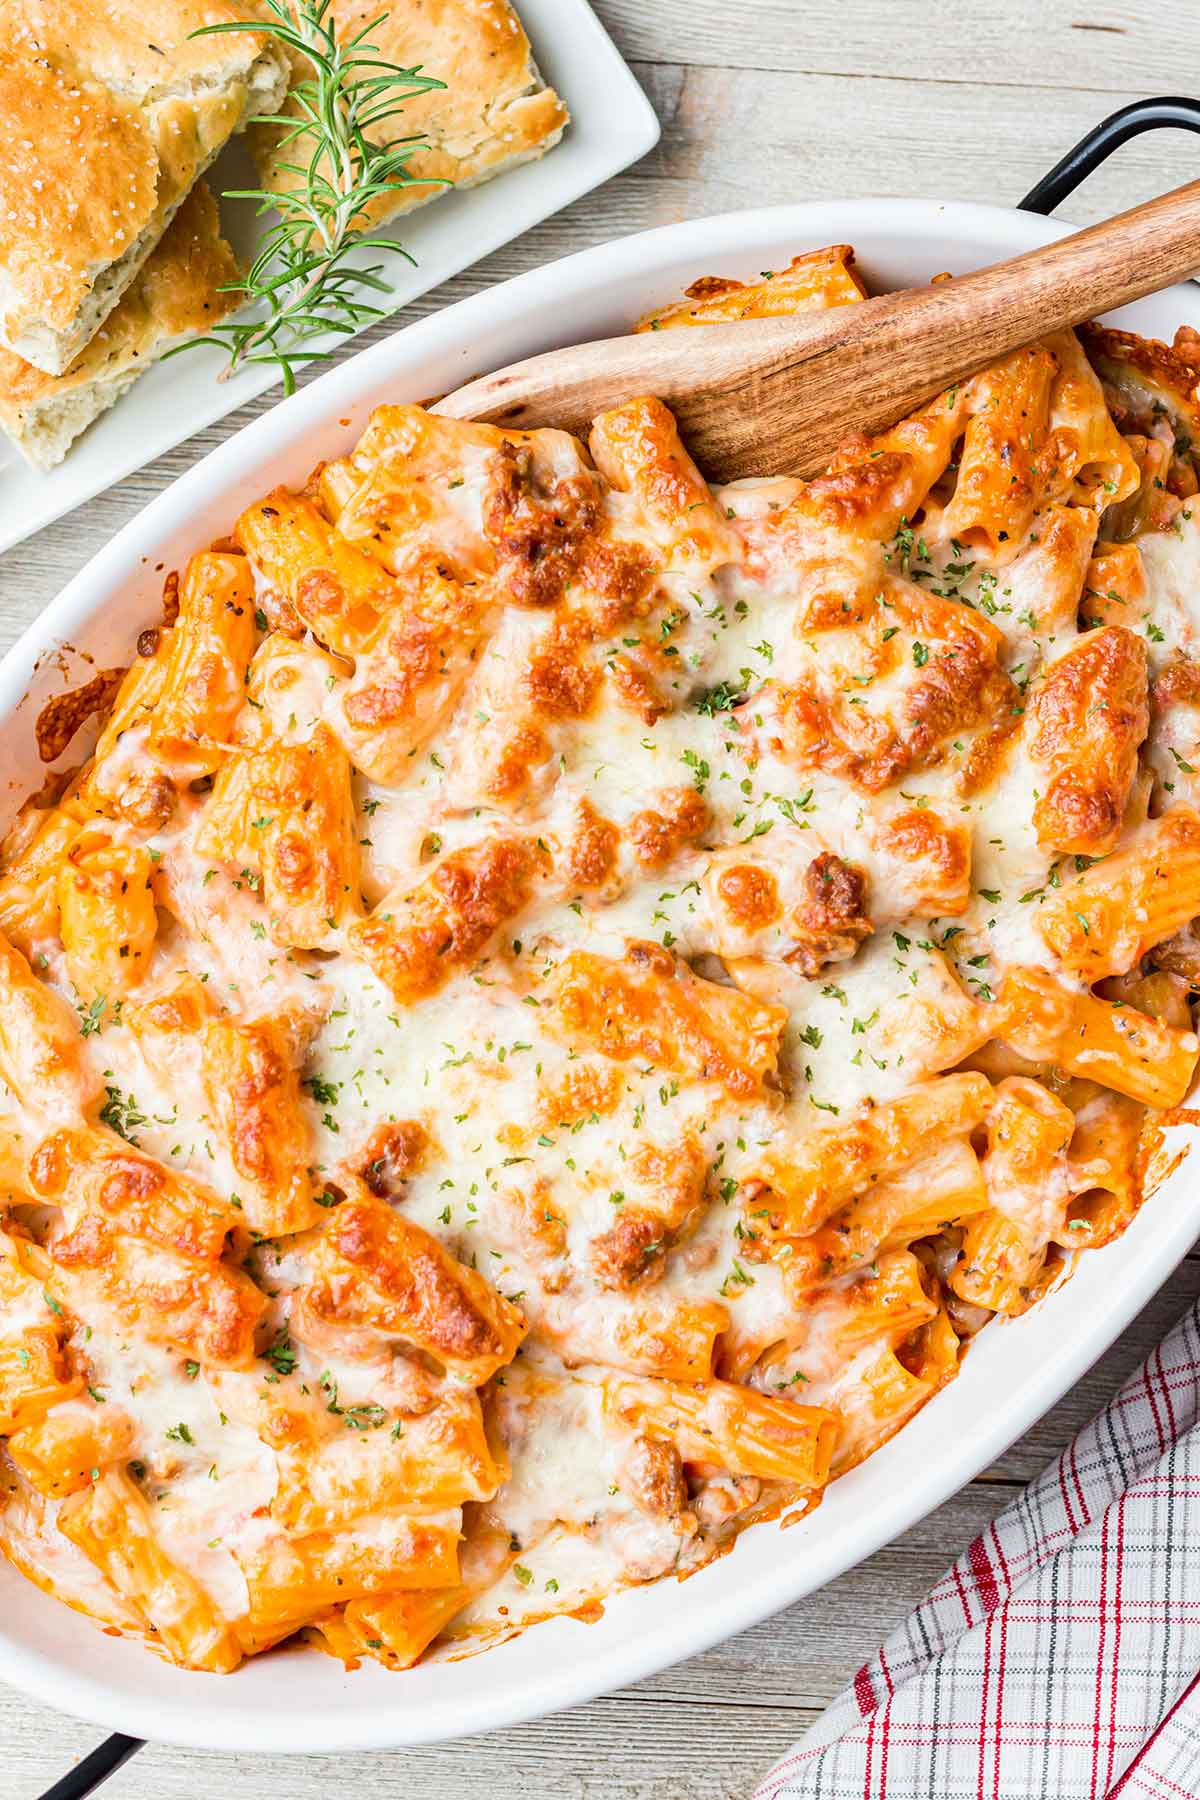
<point x="303" y="1701"/>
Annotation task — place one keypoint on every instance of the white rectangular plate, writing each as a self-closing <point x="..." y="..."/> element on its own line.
<point x="612" y="125"/>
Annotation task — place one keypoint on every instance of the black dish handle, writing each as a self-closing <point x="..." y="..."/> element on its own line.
<point x="96" y="1767"/>
<point x="1066" y="175"/>
<point x="1099" y="144"/>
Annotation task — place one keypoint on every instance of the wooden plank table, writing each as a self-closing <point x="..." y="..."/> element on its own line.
<point x="765" y="101"/>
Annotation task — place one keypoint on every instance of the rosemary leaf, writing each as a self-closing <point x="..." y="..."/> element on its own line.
<point x="300" y="287"/>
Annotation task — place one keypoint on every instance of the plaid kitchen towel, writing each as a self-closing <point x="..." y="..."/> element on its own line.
<point x="1059" y="1659"/>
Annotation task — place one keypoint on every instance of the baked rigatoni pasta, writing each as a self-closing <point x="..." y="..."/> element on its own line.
<point x="564" y="997"/>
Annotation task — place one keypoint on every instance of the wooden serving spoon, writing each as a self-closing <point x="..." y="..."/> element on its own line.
<point x="777" y="396"/>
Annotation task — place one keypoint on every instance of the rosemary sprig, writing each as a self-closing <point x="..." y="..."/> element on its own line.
<point x="301" y="283"/>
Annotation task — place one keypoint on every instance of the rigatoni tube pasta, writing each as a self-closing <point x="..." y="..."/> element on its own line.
<point x="563" y="998"/>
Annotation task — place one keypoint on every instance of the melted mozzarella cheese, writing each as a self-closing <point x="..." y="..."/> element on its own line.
<point x="536" y="1147"/>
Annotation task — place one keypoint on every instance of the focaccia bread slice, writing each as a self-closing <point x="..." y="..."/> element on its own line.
<point x="111" y="111"/>
<point x="175" y="296"/>
<point x="494" y="112"/>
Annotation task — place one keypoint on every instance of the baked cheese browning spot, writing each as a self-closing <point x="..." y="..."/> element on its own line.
<point x="538" y="676"/>
<point x="179" y="1010"/>
<point x="1090" y="715"/>
<point x="376" y="1273"/>
<point x="770" y="903"/>
<point x="960" y="687"/>
<point x="661" y="1337"/>
<point x="534" y="1227"/>
<point x="929" y="861"/>
<point x="1177" y="685"/>
<point x="873" y="485"/>
<point x="411" y="672"/>
<point x="558" y="681"/>
<point x="636" y="688"/>
<point x="208" y="1309"/>
<point x="417" y="939"/>
<point x="618" y="576"/>
<point x="650" y="1005"/>
<point x="832" y="920"/>
<point x="932" y="672"/>
<point x="537" y="525"/>
<point x="592" y="849"/>
<point x="871" y="493"/>
<point x="679" y="817"/>
<point x="663" y="1196"/>
<point x="390" y="1156"/>
<point x="409" y="490"/>
<point x="64" y="714"/>
<point x="584" y="1087"/>
<point x="814" y="731"/>
<point x="749" y="894"/>
<point x="93" y="1170"/>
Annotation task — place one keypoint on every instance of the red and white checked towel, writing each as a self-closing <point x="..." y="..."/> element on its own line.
<point x="1059" y="1659"/>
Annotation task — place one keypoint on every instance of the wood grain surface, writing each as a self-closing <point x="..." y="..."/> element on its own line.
<point x="765" y="101"/>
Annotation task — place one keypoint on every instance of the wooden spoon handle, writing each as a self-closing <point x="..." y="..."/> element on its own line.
<point x="954" y="327"/>
<point x="779" y="395"/>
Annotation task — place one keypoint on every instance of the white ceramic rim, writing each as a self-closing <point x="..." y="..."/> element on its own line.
<point x="1014" y="1372"/>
